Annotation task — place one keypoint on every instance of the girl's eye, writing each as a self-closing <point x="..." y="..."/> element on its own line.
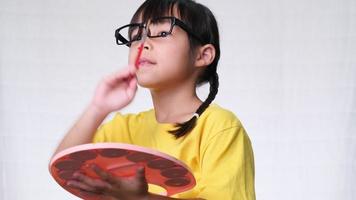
<point x="163" y="34"/>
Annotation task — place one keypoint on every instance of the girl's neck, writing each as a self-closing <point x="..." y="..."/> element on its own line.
<point x="175" y="104"/>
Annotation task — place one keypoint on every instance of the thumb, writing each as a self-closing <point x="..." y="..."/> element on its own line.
<point x="132" y="87"/>
<point x="132" y="68"/>
<point x="140" y="174"/>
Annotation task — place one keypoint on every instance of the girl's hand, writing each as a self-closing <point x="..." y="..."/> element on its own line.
<point x="111" y="187"/>
<point x="115" y="91"/>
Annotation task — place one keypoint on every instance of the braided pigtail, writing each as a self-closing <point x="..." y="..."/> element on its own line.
<point x="186" y="127"/>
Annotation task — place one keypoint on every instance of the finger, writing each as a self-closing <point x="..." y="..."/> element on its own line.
<point x="140" y="174"/>
<point x="120" y="76"/>
<point x="131" y="90"/>
<point x="130" y="70"/>
<point x="96" y="184"/>
<point x="133" y="69"/>
<point x="104" y="175"/>
<point x="81" y="186"/>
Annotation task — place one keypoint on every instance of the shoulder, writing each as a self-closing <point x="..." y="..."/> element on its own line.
<point x="216" y="122"/>
<point x="219" y="117"/>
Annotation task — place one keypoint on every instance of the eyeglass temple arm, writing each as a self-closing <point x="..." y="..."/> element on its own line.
<point x="122" y="39"/>
<point x="188" y="29"/>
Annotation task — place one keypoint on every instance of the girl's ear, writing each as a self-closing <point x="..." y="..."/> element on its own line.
<point x="205" y="55"/>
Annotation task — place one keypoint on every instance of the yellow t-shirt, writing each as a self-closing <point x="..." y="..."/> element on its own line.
<point x="217" y="150"/>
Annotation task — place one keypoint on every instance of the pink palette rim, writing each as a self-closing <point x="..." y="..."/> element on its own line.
<point x="121" y="160"/>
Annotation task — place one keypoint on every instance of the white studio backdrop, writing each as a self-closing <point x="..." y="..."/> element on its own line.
<point x="288" y="71"/>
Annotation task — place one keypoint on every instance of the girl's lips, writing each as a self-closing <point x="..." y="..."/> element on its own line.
<point x="145" y="62"/>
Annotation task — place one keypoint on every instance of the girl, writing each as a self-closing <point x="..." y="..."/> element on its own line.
<point x="180" y="52"/>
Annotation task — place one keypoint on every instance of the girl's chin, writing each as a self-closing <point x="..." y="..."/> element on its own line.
<point x="149" y="84"/>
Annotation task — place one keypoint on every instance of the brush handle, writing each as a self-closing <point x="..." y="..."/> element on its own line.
<point x="137" y="62"/>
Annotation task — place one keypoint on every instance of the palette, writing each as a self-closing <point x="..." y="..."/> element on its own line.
<point x="121" y="160"/>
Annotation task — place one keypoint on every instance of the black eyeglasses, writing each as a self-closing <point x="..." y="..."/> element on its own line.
<point x="158" y="27"/>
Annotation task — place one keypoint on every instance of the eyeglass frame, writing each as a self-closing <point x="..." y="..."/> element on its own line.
<point x="174" y="21"/>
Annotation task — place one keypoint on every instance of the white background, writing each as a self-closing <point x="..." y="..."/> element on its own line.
<point x="288" y="71"/>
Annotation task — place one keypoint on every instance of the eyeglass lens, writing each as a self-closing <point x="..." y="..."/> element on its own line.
<point x="155" y="28"/>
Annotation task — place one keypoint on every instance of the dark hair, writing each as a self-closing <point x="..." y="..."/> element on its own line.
<point x="202" y="21"/>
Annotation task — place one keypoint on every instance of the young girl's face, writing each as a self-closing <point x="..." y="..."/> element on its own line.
<point x="165" y="61"/>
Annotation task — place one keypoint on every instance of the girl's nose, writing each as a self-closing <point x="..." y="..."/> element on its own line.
<point x="145" y="39"/>
<point x="147" y="43"/>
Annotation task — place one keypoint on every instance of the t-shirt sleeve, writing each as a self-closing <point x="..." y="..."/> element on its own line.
<point x="228" y="167"/>
<point x="116" y="130"/>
